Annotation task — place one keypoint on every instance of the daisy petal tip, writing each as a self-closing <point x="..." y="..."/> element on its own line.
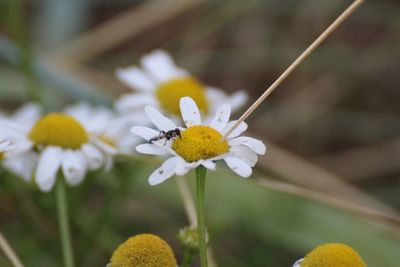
<point x="190" y="112"/>
<point x="239" y="166"/>
<point x="158" y="119"/>
<point x="153" y="182"/>
<point x="264" y="150"/>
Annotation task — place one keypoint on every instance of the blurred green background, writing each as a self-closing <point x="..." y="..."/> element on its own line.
<point x="333" y="127"/>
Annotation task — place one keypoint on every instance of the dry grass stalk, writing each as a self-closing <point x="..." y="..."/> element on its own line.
<point x="9" y="252"/>
<point x="297" y="62"/>
<point x="366" y="161"/>
<point x="117" y="30"/>
<point x="187" y="200"/>
<point x="354" y="208"/>
<point x="302" y="172"/>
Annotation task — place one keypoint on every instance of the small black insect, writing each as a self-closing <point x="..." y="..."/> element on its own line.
<point x="167" y="135"/>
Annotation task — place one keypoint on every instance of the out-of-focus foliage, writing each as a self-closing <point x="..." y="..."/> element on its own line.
<point x="339" y="110"/>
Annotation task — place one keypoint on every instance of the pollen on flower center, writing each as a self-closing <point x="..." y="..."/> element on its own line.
<point x="333" y="255"/>
<point x="170" y="93"/>
<point x="200" y="142"/>
<point x="144" y="250"/>
<point x="57" y="129"/>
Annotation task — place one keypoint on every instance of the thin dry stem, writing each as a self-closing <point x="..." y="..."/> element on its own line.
<point x="187" y="200"/>
<point x="367" y="162"/>
<point x="9" y="252"/>
<point x="297" y="62"/>
<point x="123" y="27"/>
<point x="331" y="201"/>
<point x="306" y="173"/>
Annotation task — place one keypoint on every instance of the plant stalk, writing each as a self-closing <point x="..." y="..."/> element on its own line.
<point x="201" y="225"/>
<point x="62" y="210"/>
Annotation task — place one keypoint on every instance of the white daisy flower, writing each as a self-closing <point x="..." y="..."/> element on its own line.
<point x="160" y="83"/>
<point x="57" y="141"/>
<point x="197" y="144"/>
<point x="20" y="160"/>
<point x="107" y="131"/>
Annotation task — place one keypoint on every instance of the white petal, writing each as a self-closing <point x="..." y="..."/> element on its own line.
<point x="48" y="165"/>
<point x="5" y="145"/>
<point x="135" y="101"/>
<point x="93" y="156"/>
<point x="182" y="167"/>
<point x="238" y="130"/>
<point x="144" y="132"/>
<point x="28" y="114"/>
<point x="238" y="166"/>
<point x="73" y="166"/>
<point x="93" y="119"/>
<point x="22" y="164"/>
<point x="209" y="164"/>
<point x="159" y="120"/>
<point x="164" y="172"/>
<point x="215" y="94"/>
<point x="22" y="146"/>
<point x="161" y="66"/>
<point x="106" y="148"/>
<point x="221" y="118"/>
<point x="151" y="149"/>
<point x="237" y="100"/>
<point x="252" y="143"/>
<point x="190" y="112"/>
<point x="128" y="144"/>
<point x="81" y="111"/>
<point x="244" y="153"/>
<point x="297" y="263"/>
<point x="136" y="79"/>
<point x="135" y="117"/>
<point x="217" y="97"/>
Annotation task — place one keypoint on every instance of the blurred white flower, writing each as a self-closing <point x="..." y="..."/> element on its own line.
<point x="160" y="83"/>
<point x="197" y="144"/>
<point x="107" y="131"/>
<point x="21" y="160"/>
<point x="5" y="145"/>
<point x="56" y="141"/>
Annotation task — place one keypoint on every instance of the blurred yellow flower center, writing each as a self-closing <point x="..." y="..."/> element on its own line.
<point x="144" y="250"/>
<point x="1" y="156"/>
<point x="57" y="129"/>
<point x="170" y="93"/>
<point x="200" y="142"/>
<point x="333" y="255"/>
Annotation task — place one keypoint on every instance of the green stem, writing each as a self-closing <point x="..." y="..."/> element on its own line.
<point x="201" y="225"/>
<point x="62" y="210"/>
<point x="188" y="257"/>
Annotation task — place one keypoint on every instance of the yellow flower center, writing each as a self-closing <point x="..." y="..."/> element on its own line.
<point x="1" y="156"/>
<point x="57" y="129"/>
<point x="200" y="142"/>
<point x="144" y="250"/>
<point x="170" y="93"/>
<point x="333" y="255"/>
